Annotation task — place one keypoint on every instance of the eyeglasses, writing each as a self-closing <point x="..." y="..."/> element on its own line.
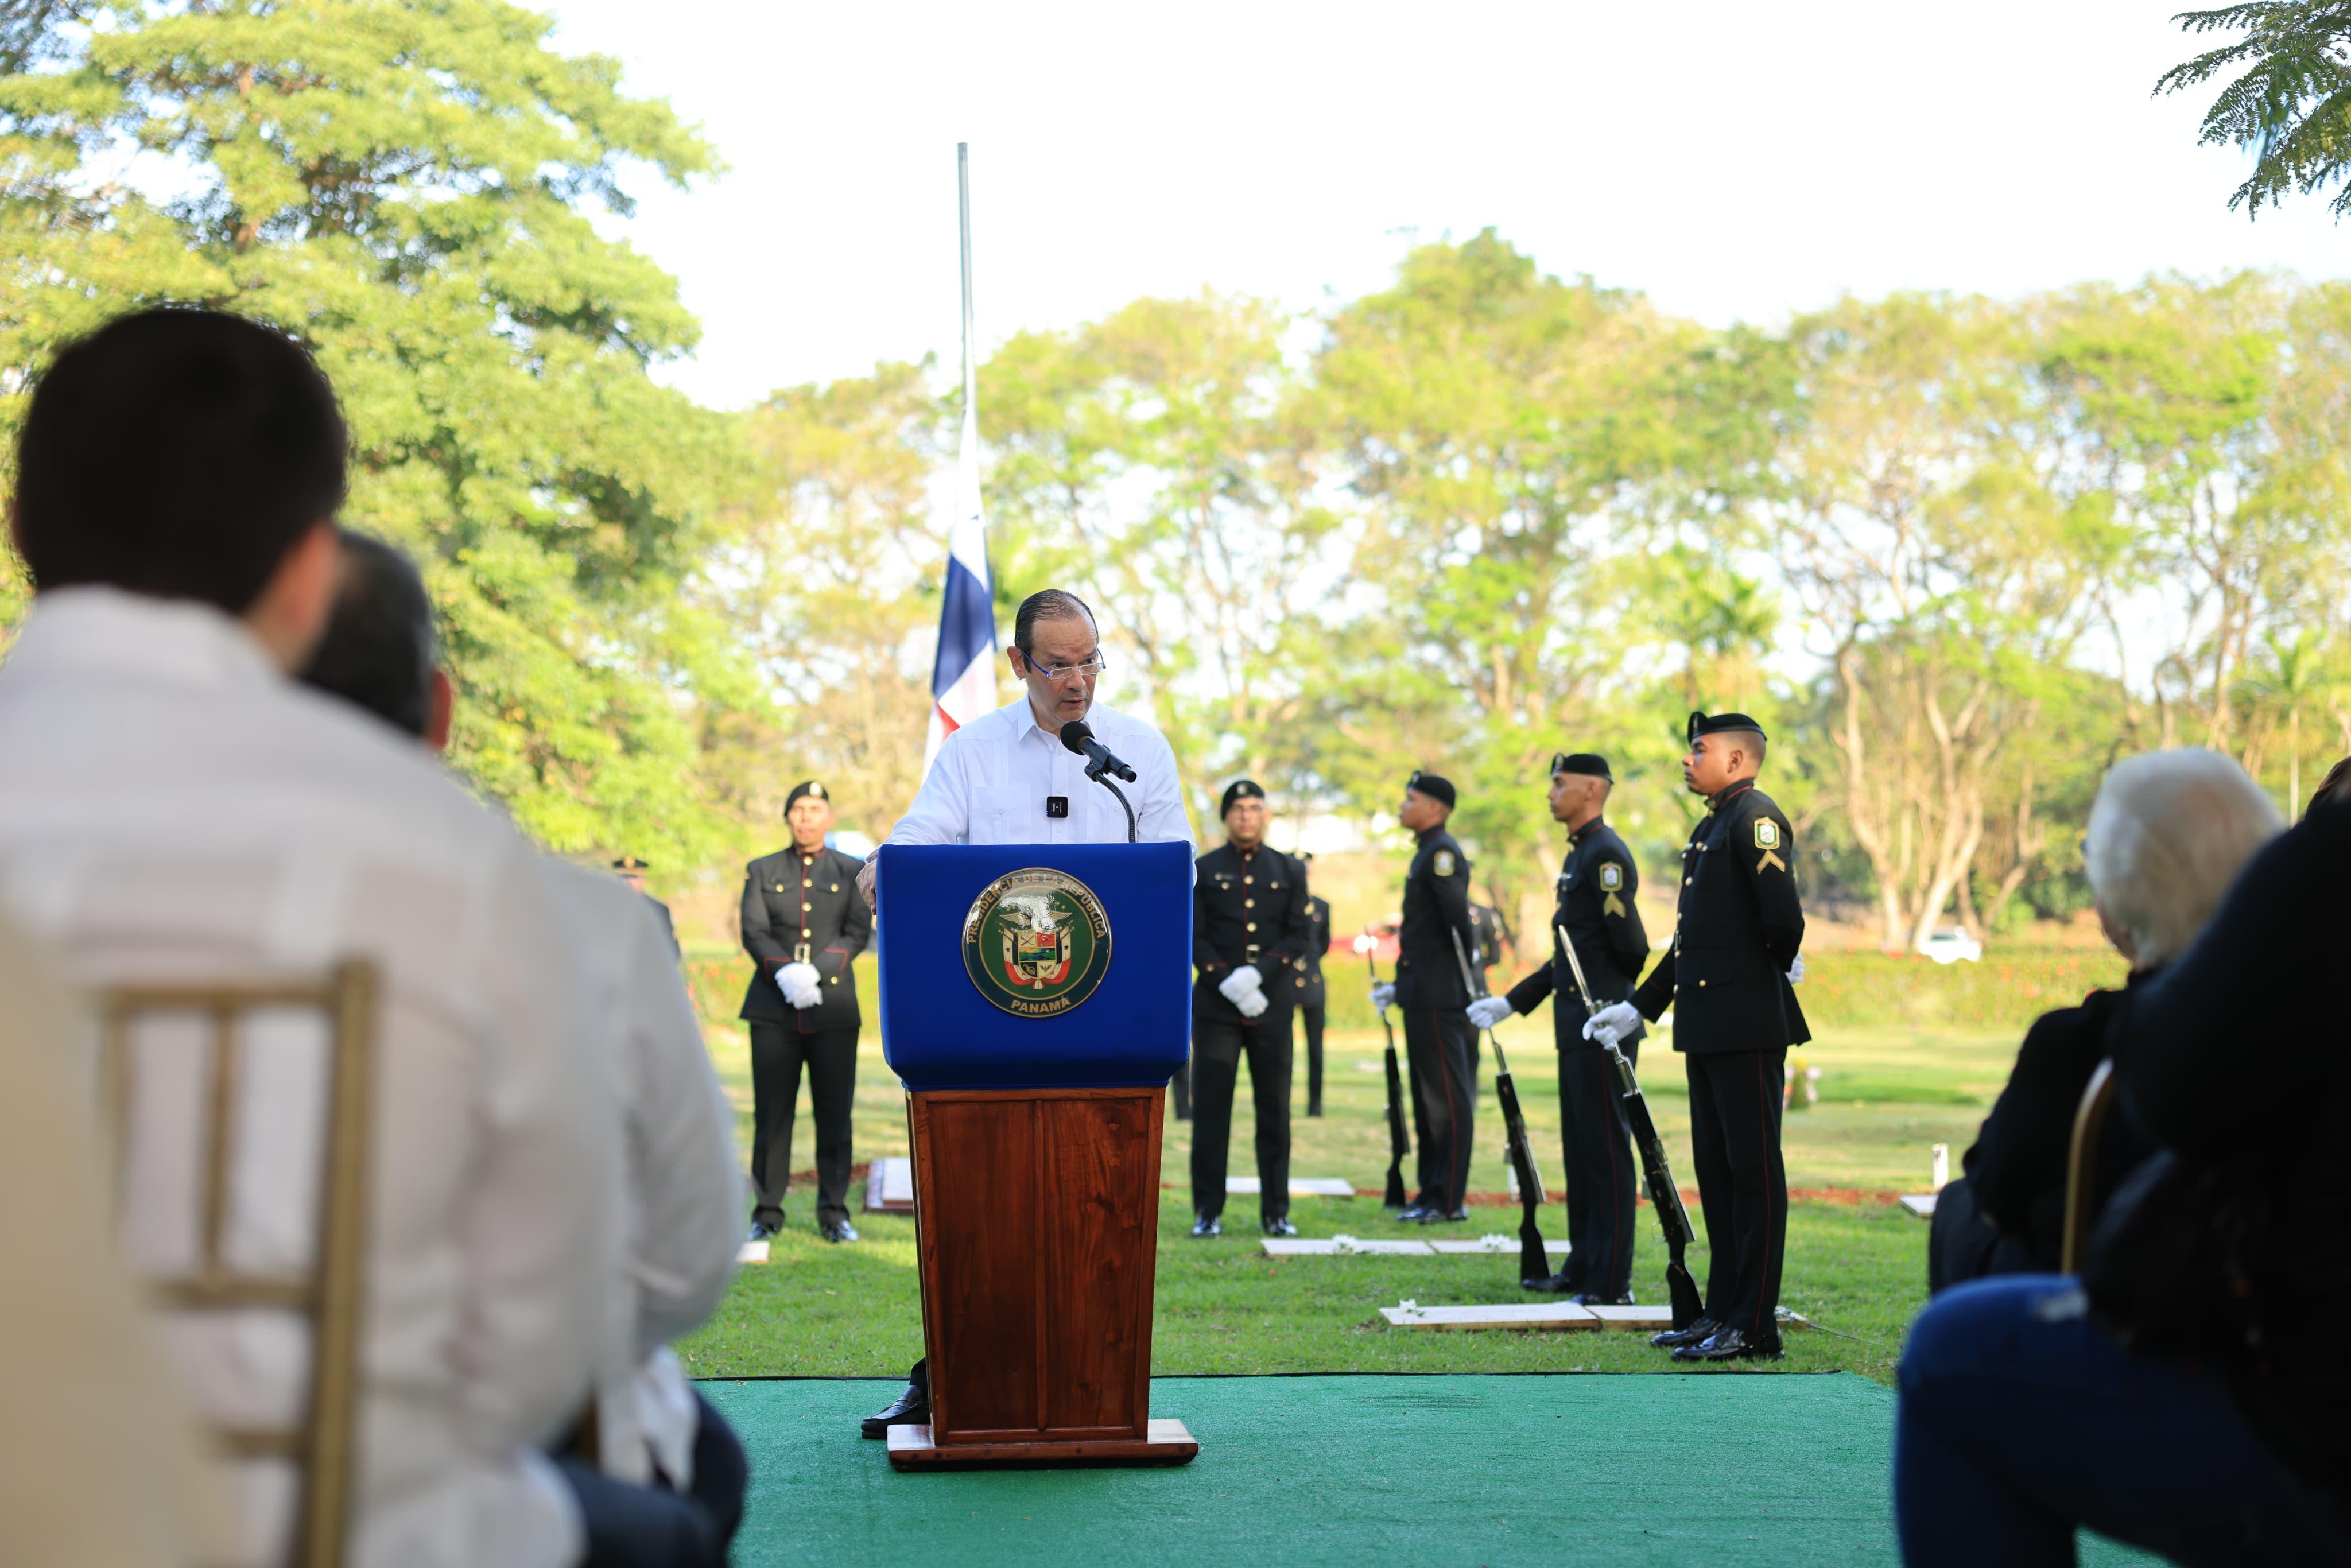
<point x="1057" y="673"/>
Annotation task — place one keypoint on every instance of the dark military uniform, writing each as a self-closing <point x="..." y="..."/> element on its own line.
<point x="1309" y="988"/>
<point x="1596" y="883"/>
<point x="1248" y="907"/>
<point x="1437" y="1038"/>
<point x="803" y="908"/>
<point x="1740" y="928"/>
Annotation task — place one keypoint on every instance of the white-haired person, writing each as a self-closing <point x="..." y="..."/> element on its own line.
<point x="2026" y="1413"/>
<point x="2168" y="833"/>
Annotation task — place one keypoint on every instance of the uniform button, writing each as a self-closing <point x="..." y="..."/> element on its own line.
<point x="805" y="883"/>
<point x="836" y="981"/>
<point x="806" y="907"/>
<point x="805" y="932"/>
<point x="1249" y="903"/>
<point x="1686" y="882"/>
<point x="1701" y="984"/>
<point x="1252" y="925"/>
<point x="836" y="887"/>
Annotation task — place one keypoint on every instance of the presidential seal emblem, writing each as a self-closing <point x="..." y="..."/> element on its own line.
<point x="1035" y="942"/>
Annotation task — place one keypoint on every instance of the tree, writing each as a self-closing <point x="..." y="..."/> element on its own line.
<point x="410" y="187"/>
<point x="1941" y="577"/>
<point x="831" y="588"/>
<point x="1495" y="424"/>
<point x="2292" y="107"/>
<point x="1156" y="462"/>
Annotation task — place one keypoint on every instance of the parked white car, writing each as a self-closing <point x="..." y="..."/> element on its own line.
<point x="1951" y="945"/>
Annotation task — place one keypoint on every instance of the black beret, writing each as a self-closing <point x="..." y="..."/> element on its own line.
<point x="1430" y="785"/>
<point x="1590" y="762"/>
<point x="1239" y="789"/>
<point x="807" y="786"/>
<point x="1721" y="723"/>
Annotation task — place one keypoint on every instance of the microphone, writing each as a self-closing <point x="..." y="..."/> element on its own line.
<point x="1100" y="759"/>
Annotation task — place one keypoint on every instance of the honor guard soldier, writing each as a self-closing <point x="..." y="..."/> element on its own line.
<point x="632" y="870"/>
<point x="1729" y="977"/>
<point x="1429" y="990"/>
<point x="1310" y="987"/>
<point x="1597" y="884"/>
<point x="803" y="925"/>
<point x="1248" y="928"/>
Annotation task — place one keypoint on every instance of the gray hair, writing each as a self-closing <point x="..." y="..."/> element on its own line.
<point x="2168" y="833"/>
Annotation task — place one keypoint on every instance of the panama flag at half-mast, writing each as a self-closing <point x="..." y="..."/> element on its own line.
<point x="963" y="678"/>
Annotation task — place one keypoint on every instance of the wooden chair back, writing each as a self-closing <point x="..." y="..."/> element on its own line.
<point x="327" y="1296"/>
<point x="2081" y="1165"/>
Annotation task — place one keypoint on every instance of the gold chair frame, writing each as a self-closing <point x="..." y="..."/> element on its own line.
<point x="2081" y="1165"/>
<point x="321" y="1445"/>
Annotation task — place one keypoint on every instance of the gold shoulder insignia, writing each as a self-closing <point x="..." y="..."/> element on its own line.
<point x="1612" y="876"/>
<point x="1767" y="833"/>
<point x="1611" y="883"/>
<point x="1444" y="864"/>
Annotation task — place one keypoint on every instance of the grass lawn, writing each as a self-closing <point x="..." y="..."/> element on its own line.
<point x="1856" y="1264"/>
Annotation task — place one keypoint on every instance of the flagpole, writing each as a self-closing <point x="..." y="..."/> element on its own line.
<point x="963" y="202"/>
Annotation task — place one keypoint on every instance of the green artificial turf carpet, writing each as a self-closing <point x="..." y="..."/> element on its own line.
<point x="1719" y="1469"/>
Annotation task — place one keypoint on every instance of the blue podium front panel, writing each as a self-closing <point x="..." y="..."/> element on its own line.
<point x="1035" y="966"/>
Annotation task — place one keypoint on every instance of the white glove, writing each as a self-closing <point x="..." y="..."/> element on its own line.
<point x="1244" y="981"/>
<point x="799" y="982"/>
<point x="1488" y="1011"/>
<point x="1383" y="994"/>
<point x="1250" y="1003"/>
<point x="1796" y="971"/>
<point x="1613" y="1023"/>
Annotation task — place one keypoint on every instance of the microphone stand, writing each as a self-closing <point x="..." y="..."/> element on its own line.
<point x="1100" y="775"/>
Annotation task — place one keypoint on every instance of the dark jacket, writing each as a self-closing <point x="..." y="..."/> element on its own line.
<point x="1741" y="925"/>
<point x="2236" y="1051"/>
<point x="1436" y="910"/>
<point x="1597" y="884"/>
<point x="1247" y="909"/>
<point x="804" y="908"/>
<point x="2017" y="1165"/>
<point x="1309" y="966"/>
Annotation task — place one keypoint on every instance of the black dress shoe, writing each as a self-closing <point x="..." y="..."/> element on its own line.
<point x="1205" y="1225"/>
<point x="1413" y="1214"/>
<point x="1558" y="1284"/>
<point x="1278" y="1227"/>
<point x="1458" y="1217"/>
<point x="1674" y="1339"/>
<point x="912" y="1405"/>
<point x="1315" y="1109"/>
<point x="837" y="1230"/>
<point x="1730" y="1345"/>
<point x="1594" y="1299"/>
<point x="761" y="1230"/>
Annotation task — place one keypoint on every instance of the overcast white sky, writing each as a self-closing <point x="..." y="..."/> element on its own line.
<point x="1734" y="161"/>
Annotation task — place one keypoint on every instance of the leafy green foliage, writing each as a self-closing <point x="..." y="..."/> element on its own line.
<point x="2291" y="106"/>
<point x="410" y="188"/>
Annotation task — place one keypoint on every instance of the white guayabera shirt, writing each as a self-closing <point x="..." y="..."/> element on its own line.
<point x="682" y="1218"/>
<point x="994" y="777"/>
<point x="172" y="808"/>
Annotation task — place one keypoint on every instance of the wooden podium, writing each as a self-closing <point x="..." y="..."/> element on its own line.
<point x="1035" y="1000"/>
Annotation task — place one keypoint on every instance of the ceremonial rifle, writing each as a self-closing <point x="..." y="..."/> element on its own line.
<point x="1663" y="1195"/>
<point x="1534" y="1259"/>
<point x="1399" y="1145"/>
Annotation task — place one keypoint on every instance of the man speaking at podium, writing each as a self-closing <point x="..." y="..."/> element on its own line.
<point x="1010" y="777"/>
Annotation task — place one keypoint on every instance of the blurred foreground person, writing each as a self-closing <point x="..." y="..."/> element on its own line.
<point x="803" y="926"/>
<point x="2187" y="1393"/>
<point x="172" y="808"/>
<point x="381" y="652"/>
<point x="2168" y="833"/>
<point x="1730" y="978"/>
<point x="1248" y="927"/>
<point x="1597" y="909"/>
<point x="103" y="1464"/>
<point x="1433" y="939"/>
<point x="1006" y="777"/>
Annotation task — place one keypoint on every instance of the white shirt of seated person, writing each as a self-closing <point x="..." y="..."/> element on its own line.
<point x="174" y="808"/>
<point x="992" y="781"/>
